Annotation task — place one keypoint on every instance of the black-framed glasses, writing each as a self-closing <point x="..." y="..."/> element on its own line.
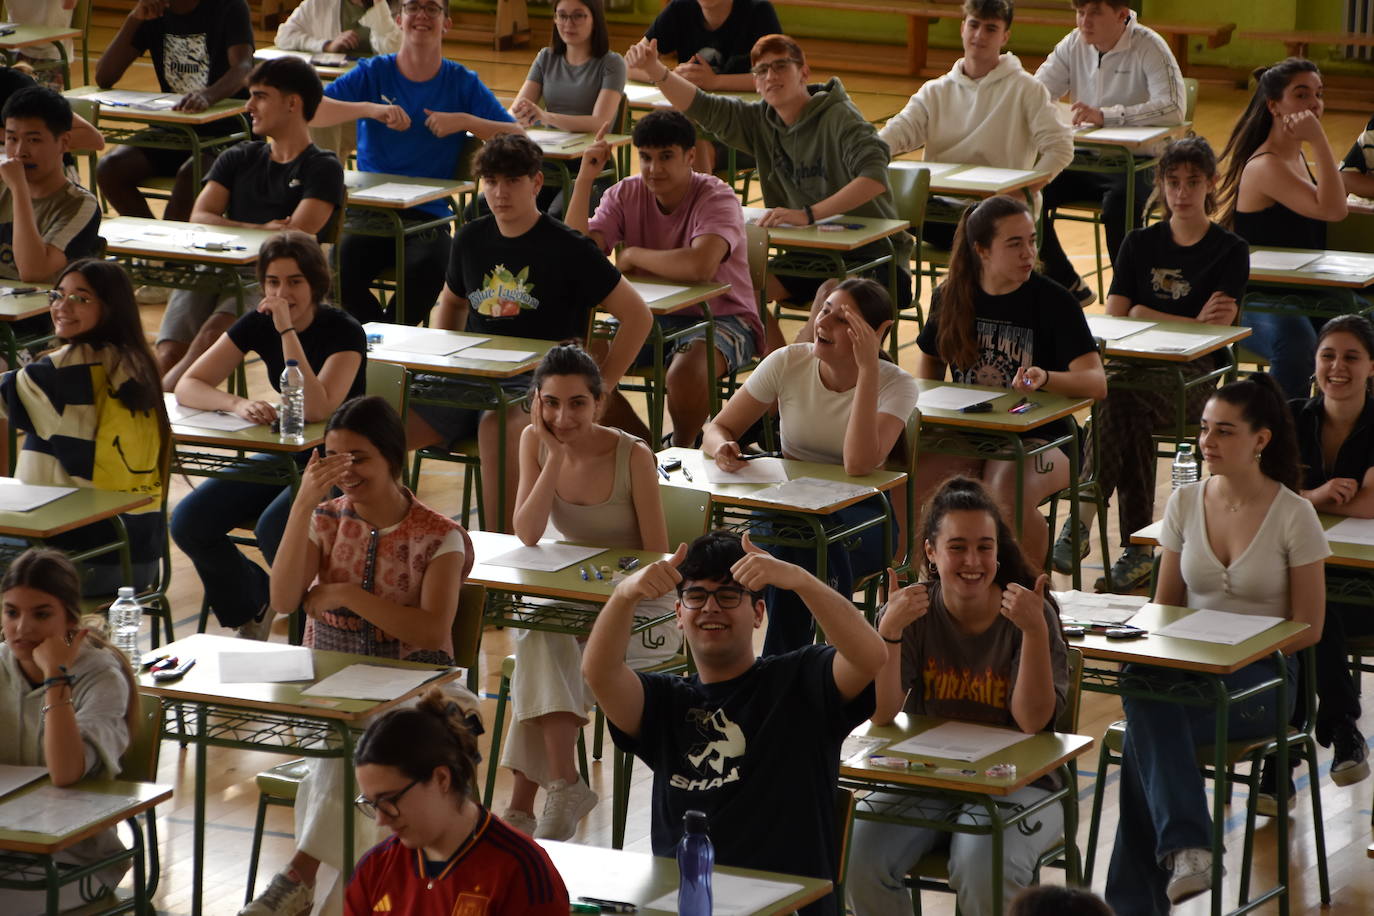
<point x="56" y="295"/>
<point x="578" y="16"/>
<point x="429" y="9"/>
<point x="773" y="66"/>
<point x="385" y="803"/>
<point x="727" y="596"/>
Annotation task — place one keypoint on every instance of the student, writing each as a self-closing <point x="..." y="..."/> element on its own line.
<point x="68" y="702"/>
<point x="92" y="416"/>
<point x="1357" y="169"/>
<point x="1241" y="541"/>
<point x="1336" y="443"/>
<point x="418" y="111"/>
<point x="521" y="273"/>
<point x="291" y="322"/>
<point x="84" y="135"/>
<point x="981" y="618"/>
<point x="358" y="28"/>
<point x="43" y="58"/>
<point x="995" y="321"/>
<point x="1117" y="73"/>
<point x="684" y="226"/>
<point x="1269" y="196"/>
<point x="817" y="156"/>
<point x="399" y="603"/>
<point x="1184" y="268"/>
<point x="594" y="485"/>
<point x="284" y="182"/>
<point x="417" y="777"/>
<point x="202" y="49"/>
<point x="985" y="111"/>
<point x="775" y="724"/>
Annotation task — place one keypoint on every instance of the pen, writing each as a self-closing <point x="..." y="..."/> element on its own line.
<point x="609" y="906"/>
<point x="662" y="472"/>
<point x="1013" y="408"/>
<point x="1026" y="407"/>
<point x="22" y="291"/>
<point x="688" y="474"/>
<point x="583" y="569"/>
<point x="597" y="569"/>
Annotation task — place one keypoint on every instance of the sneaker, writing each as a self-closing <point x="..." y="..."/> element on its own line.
<point x="151" y="295"/>
<point x="285" y="896"/>
<point x="1267" y="795"/>
<point x="565" y="804"/>
<point x="1083" y="293"/>
<point x="259" y="627"/>
<point x="1130" y="571"/>
<point x="1192" y="874"/>
<point x="520" y="820"/>
<point x="1349" y="763"/>
<point x="1063" y="547"/>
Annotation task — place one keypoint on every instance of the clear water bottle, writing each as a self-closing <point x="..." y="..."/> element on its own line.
<point x="695" y="858"/>
<point x="126" y="619"/>
<point x="292" y="413"/>
<point x="1185" y="465"/>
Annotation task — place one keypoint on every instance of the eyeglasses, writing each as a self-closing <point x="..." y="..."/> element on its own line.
<point x="774" y="66"/>
<point x="727" y="596"/>
<point x="55" y="296"/>
<point x="579" y="16"/>
<point x="385" y="803"/>
<point x="432" y="10"/>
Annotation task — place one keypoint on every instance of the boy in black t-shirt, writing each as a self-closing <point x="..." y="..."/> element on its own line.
<point x="284" y="182"/>
<point x="201" y="48"/>
<point x="521" y="273"/>
<point x="752" y="742"/>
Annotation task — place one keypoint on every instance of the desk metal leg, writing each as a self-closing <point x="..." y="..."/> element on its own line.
<point x="198" y="841"/>
<point x="349" y="791"/>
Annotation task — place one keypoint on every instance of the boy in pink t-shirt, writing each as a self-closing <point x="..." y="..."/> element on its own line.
<point x="679" y="225"/>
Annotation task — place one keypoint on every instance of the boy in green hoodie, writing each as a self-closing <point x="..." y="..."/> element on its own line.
<point x="816" y="154"/>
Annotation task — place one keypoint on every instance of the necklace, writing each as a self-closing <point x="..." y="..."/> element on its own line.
<point x="1234" y="506"/>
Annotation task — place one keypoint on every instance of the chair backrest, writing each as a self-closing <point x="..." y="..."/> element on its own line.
<point x="910" y="191"/>
<point x="1190" y="94"/>
<point x="909" y="451"/>
<point x="844" y="822"/>
<point x="467" y="625"/>
<point x="386" y="380"/>
<point x="687" y="512"/>
<point x="756" y="244"/>
<point x="139" y="763"/>
<point x="1068" y="718"/>
<point x="1354" y="233"/>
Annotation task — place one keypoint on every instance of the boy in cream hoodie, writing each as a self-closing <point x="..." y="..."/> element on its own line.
<point x="986" y="110"/>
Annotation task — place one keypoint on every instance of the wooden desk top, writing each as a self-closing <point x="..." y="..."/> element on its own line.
<point x="948" y="178"/>
<point x="146" y="794"/>
<point x="1355" y="272"/>
<point x="676" y="302"/>
<point x="202" y="684"/>
<point x="1210" y="337"/>
<point x="466" y="362"/>
<point x="742" y="494"/>
<point x="138" y="237"/>
<point x="1183" y="654"/>
<point x="640" y="878"/>
<point x="426" y="189"/>
<point x="573" y="149"/>
<point x="871" y="229"/>
<point x="646" y="96"/>
<point x="65" y="513"/>
<point x="1343" y="553"/>
<point x="326" y="72"/>
<point x="226" y="108"/>
<point x="1052" y="407"/>
<point x="1034" y="757"/>
<point x="565" y="583"/>
<point x="18" y="306"/>
<point x="1136" y="138"/>
<point x="24" y="36"/>
<point x="258" y="438"/>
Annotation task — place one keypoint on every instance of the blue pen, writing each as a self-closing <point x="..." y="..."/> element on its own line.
<point x="585" y="577"/>
<point x="596" y="569"/>
<point x="662" y="472"/>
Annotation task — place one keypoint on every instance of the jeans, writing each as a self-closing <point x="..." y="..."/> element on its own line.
<point x="1289" y="342"/>
<point x="1163" y="804"/>
<point x="235" y="587"/>
<point x="884" y="853"/>
<point x="789" y="620"/>
<point x="1068" y="187"/>
<point x="362" y="258"/>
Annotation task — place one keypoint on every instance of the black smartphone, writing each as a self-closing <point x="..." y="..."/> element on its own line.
<point x="672" y="464"/>
<point x="173" y="674"/>
<point x="984" y="407"/>
<point x="1125" y="633"/>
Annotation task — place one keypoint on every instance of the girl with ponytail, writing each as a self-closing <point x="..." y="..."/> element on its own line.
<point x="1242" y="541"/>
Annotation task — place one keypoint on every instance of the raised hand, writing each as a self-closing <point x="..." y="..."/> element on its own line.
<point x="863" y="339"/>
<point x="1024" y="607"/>
<point x="322" y="473"/>
<point x="643" y="55"/>
<point x="904" y="607"/>
<point x="655" y="580"/>
<point x="758" y="569"/>
<point x="595" y="157"/>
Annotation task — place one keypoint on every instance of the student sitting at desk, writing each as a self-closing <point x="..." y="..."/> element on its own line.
<point x="92" y="416"/>
<point x="358" y="28"/>
<point x="840" y="400"/>
<point x="200" y="48"/>
<point x="417" y="776"/>
<point x="995" y="321"/>
<point x="44" y="58"/>
<point x="85" y="136"/>
<point x="1184" y="268"/>
<point x="752" y="742"/>
<point x="817" y="156"/>
<point x="291" y="322"/>
<point x="977" y="641"/>
<point x="1357" y="169"/>
<point x="283" y="182"/>
<point x="1269" y="196"/>
<point x="378" y="573"/>
<point x="684" y="226"/>
<point x="417" y="112"/>
<point x="568" y="463"/>
<point x="1117" y="73"/>
<point x="1241" y="541"/>
<point x="68" y="702"/>
<point x="509" y="275"/>
<point x="985" y="111"/>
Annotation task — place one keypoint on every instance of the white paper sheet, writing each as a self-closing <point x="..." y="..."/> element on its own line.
<point x="16" y="777"/>
<point x="1342" y="265"/>
<point x="1109" y="327"/>
<point x="130" y="98"/>
<point x="1219" y="627"/>
<point x="959" y="741"/>
<point x="16" y="496"/>
<point x="554" y="139"/>
<point x="370" y="682"/>
<point x="1281" y="260"/>
<point x="497" y="356"/>
<point x="636" y="93"/>
<point x="812" y="492"/>
<point x="760" y="470"/>
<point x="652" y="292"/>
<point x="182" y="415"/>
<point x="936" y="169"/>
<point x="56" y="812"/>
<point x="1087" y="607"/>
<point x="860" y="746"/>
<point x="266" y="663"/>
<point x="732" y="895"/>
<point x="1168" y="341"/>
<point x="543" y="557"/>
<point x="754" y="214"/>
<point x="950" y="397"/>
<point x="395" y="191"/>
<point x="1124" y="134"/>
<point x="429" y="343"/>
<point x="1352" y="531"/>
<point x="983" y="173"/>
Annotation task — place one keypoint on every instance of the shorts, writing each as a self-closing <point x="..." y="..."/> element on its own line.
<point x="456" y="424"/>
<point x="734" y="340"/>
<point x="188" y="310"/>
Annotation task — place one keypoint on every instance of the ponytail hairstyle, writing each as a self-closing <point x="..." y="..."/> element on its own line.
<point x="1253" y="128"/>
<point x="961" y="493"/>
<point x="957" y="341"/>
<point x="566" y="359"/>
<point x="1262" y="404"/>
<point x="873" y="302"/>
<point x="1185" y="153"/>
<point x="1358" y="327"/>
<point x="419" y="739"/>
<point x="47" y="570"/>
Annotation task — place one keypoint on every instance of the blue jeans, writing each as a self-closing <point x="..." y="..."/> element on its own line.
<point x="789" y="620"/>
<point x="236" y="587"/>
<point x="1163" y="805"/>
<point x="1289" y="342"/>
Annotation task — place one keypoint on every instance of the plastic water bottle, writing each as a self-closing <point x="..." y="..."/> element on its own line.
<point x="1185" y="465"/>
<point x="292" y="414"/>
<point x="126" y="619"/>
<point x="695" y="859"/>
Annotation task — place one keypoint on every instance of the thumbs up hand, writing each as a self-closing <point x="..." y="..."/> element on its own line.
<point x="1024" y="607"/>
<point x="758" y="569"/>
<point x="655" y="580"/>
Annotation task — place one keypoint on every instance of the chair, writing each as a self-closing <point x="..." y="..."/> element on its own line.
<point x="89" y="109"/>
<point x="911" y="192"/>
<point x="1088" y="487"/>
<point x="139" y="764"/>
<point x="907" y="452"/>
<point x="81" y="18"/>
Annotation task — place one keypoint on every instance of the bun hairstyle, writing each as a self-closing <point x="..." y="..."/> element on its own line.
<point x="977" y="228"/>
<point x="1262" y="404"/>
<point x="419" y="739"/>
<point x="1185" y="152"/>
<point x="566" y="359"/>
<point x="964" y="494"/>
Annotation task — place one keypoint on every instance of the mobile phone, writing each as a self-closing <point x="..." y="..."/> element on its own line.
<point x="984" y="407"/>
<point x="672" y="464"/>
<point x="174" y="674"/>
<point x="1073" y="630"/>
<point x="1125" y="633"/>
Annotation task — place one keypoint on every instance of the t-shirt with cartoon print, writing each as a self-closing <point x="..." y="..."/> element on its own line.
<point x="1155" y="271"/>
<point x="541" y="284"/>
<point x="191" y="50"/>
<point x="759" y="754"/>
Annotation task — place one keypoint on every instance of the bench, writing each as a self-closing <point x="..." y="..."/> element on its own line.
<point x="1297" y="43"/>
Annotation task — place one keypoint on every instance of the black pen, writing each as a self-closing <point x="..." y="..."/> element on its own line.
<point x="610" y="906"/>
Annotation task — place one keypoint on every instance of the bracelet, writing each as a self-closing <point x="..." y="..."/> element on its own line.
<point x="666" y="73"/>
<point x="810" y="217"/>
<point x="890" y="642"/>
<point x="283" y="333"/>
<point x="61" y="679"/>
<point x="55" y="705"/>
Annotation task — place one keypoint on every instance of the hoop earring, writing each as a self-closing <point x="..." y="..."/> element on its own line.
<point x="934" y="573"/>
<point x="1257" y="455"/>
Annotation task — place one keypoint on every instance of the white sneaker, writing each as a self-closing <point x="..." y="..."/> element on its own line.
<point x="565" y="804"/>
<point x="284" y="897"/>
<point x="520" y="820"/>
<point x="151" y="295"/>
<point x="259" y="627"/>
<point x="1192" y="874"/>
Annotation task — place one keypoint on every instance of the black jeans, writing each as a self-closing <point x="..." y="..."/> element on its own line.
<point x="363" y="257"/>
<point x="1111" y="190"/>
